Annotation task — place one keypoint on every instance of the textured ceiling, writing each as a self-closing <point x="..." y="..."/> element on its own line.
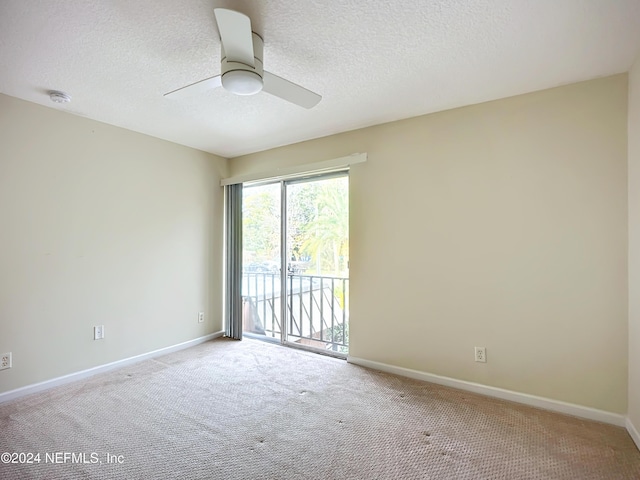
<point x="373" y="61"/>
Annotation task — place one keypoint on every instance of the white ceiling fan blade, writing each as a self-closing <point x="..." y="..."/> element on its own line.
<point x="235" y="35"/>
<point x="289" y="91"/>
<point x="195" y="88"/>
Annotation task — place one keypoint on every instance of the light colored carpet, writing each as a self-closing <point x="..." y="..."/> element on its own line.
<point x="250" y="410"/>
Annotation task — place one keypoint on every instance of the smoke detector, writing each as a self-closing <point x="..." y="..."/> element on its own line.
<point x="59" y="97"/>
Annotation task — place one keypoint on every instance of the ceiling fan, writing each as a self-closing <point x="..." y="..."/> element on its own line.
<point x="242" y="72"/>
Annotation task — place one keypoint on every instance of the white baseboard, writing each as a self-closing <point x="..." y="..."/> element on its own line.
<point x="73" y="377"/>
<point x="633" y="431"/>
<point x="524" y="398"/>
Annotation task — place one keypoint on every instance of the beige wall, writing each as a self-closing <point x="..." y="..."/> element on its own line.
<point x="634" y="245"/>
<point x="501" y="225"/>
<point x="100" y="225"/>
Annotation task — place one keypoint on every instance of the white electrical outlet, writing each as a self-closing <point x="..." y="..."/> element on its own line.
<point x="481" y="354"/>
<point x="5" y="361"/>
<point x="98" y="332"/>
<point x="200" y="317"/>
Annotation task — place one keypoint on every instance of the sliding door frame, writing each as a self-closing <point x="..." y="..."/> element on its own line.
<point x="284" y="290"/>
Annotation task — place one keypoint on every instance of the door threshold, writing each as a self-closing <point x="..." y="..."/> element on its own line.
<point x="275" y="341"/>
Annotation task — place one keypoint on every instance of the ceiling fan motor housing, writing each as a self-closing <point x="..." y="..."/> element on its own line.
<point x="240" y="78"/>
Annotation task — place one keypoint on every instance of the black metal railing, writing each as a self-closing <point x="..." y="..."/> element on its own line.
<point x="317" y="309"/>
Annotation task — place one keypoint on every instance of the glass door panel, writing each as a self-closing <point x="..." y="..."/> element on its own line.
<point x="261" y="259"/>
<point x="317" y="252"/>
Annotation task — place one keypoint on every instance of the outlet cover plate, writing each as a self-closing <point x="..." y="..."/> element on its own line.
<point x="481" y="354"/>
<point x="200" y="317"/>
<point x="6" y="361"/>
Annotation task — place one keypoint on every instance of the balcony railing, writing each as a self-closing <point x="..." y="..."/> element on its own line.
<point x="316" y="305"/>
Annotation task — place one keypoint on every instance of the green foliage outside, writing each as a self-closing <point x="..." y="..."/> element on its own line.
<point x="317" y="225"/>
<point x="340" y="334"/>
<point x="326" y="235"/>
<point x="260" y="224"/>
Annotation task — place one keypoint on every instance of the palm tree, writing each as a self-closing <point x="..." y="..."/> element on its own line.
<point x="328" y="233"/>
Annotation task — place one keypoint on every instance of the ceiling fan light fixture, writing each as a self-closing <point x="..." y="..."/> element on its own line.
<point x="242" y="82"/>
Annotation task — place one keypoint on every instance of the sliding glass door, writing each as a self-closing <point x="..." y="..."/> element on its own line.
<point x="296" y="262"/>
